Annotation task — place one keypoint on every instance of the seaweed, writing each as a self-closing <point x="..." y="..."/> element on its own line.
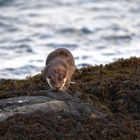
<point x="112" y="88"/>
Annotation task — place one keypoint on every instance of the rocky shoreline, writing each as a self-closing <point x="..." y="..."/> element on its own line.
<point x="102" y="104"/>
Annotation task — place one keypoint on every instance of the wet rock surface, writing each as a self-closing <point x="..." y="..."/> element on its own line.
<point x="104" y="103"/>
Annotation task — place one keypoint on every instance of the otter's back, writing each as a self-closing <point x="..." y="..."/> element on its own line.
<point x="61" y="54"/>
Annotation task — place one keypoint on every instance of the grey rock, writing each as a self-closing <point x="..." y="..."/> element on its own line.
<point x="52" y="102"/>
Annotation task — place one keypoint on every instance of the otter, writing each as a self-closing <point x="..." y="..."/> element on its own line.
<point x="60" y="66"/>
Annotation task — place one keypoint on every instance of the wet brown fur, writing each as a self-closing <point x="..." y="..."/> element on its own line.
<point x="60" y="59"/>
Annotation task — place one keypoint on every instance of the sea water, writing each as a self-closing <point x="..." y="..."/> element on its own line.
<point x="95" y="31"/>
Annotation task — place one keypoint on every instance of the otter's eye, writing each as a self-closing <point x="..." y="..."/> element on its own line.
<point x="61" y="77"/>
<point x="49" y="77"/>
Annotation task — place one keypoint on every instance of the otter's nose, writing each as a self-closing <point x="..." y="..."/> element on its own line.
<point x="57" y="87"/>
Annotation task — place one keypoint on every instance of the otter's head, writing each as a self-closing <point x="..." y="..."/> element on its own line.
<point x="56" y="77"/>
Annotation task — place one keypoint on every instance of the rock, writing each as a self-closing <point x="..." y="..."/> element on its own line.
<point x="52" y="102"/>
<point x="103" y="103"/>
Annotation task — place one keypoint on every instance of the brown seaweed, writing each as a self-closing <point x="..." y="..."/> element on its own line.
<point x="112" y="88"/>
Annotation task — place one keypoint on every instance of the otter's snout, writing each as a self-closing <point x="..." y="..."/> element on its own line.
<point x="56" y="84"/>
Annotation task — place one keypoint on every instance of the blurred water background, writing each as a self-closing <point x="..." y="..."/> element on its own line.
<point x="96" y="31"/>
